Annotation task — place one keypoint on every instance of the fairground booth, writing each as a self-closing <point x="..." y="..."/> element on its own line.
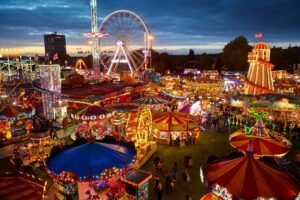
<point x="14" y="122"/>
<point x="168" y="127"/>
<point x="136" y="184"/>
<point x="88" y="169"/>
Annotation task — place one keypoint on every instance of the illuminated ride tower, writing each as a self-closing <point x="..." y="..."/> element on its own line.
<point x="51" y="89"/>
<point x="259" y="78"/>
<point x="94" y="35"/>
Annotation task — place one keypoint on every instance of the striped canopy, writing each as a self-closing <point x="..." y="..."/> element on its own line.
<point x="248" y="178"/>
<point x="259" y="145"/>
<point x="150" y="100"/>
<point x="259" y="141"/>
<point x="12" y="112"/>
<point x="174" y="121"/>
<point x="90" y="113"/>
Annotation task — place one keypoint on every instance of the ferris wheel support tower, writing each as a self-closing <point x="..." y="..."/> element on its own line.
<point x="95" y="40"/>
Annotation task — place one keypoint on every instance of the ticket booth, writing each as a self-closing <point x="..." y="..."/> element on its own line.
<point x="136" y="184"/>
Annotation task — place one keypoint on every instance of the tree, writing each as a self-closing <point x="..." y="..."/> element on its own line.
<point x="235" y="54"/>
<point x="191" y="55"/>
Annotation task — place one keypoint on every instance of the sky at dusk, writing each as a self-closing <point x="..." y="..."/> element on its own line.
<point x="177" y="25"/>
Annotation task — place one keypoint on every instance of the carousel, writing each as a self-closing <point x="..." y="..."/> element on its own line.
<point x="93" y="120"/>
<point x="259" y="140"/>
<point x="151" y="101"/>
<point x="90" y="168"/>
<point x="245" y="177"/>
<point x="168" y="127"/>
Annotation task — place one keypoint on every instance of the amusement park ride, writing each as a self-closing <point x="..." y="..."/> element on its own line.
<point x="127" y="44"/>
<point x="122" y="44"/>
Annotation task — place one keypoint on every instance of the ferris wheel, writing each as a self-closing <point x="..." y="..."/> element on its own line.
<point x="126" y="47"/>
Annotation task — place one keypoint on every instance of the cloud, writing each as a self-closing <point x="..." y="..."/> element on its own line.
<point x="172" y="22"/>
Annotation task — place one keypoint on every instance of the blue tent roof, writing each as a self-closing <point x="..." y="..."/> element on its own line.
<point x="90" y="159"/>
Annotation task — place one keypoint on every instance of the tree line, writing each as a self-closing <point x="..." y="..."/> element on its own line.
<point x="233" y="57"/>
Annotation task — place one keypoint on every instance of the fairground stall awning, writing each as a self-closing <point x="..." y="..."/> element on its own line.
<point x="91" y="113"/>
<point x="259" y="141"/>
<point x="11" y="112"/>
<point x="174" y="121"/>
<point x="150" y="100"/>
<point x="92" y="160"/>
<point x="248" y="178"/>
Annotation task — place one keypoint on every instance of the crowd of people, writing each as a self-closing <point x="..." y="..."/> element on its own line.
<point x="170" y="176"/>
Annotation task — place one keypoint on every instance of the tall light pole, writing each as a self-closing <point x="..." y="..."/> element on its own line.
<point x="94" y="29"/>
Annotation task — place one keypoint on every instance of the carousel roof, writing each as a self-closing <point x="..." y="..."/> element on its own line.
<point x="90" y="159"/>
<point x="259" y="141"/>
<point x="248" y="178"/>
<point x="11" y="111"/>
<point x="150" y="100"/>
<point x="91" y="112"/>
<point x="261" y="45"/>
<point x="175" y="121"/>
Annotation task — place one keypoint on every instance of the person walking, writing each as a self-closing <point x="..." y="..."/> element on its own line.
<point x="156" y="161"/>
<point x="159" y="190"/>
<point x="174" y="171"/>
<point x="168" y="183"/>
<point x="186" y="176"/>
<point x="187" y="197"/>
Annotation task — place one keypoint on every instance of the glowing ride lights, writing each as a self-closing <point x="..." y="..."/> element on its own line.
<point x="127" y="44"/>
<point x="259" y="79"/>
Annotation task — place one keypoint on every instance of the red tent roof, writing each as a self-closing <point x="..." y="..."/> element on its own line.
<point x="91" y="112"/>
<point x="261" y="45"/>
<point x="248" y="178"/>
<point x="261" y="146"/>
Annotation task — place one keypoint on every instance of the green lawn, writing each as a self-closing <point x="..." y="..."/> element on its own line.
<point x="208" y="143"/>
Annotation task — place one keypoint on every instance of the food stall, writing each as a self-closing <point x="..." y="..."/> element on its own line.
<point x="14" y="122"/>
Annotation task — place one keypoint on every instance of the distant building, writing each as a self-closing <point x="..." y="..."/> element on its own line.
<point x="55" y="43"/>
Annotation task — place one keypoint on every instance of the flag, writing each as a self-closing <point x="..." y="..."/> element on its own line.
<point x="258" y="35"/>
<point x="55" y="56"/>
<point x="46" y="56"/>
<point x="36" y="58"/>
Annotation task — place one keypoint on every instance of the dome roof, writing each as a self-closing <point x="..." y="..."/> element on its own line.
<point x="261" y="45"/>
